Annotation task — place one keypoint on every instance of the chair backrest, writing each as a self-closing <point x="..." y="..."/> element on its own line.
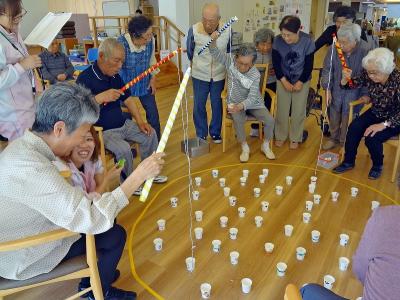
<point x="92" y="55"/>
<point x="292" y="292"/>
<point x="264" y="79"/>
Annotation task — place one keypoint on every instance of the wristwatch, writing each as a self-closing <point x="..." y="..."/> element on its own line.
<point x="386" y="124"/>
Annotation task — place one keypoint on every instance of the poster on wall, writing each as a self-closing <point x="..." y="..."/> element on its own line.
<point x="268" y="14"/>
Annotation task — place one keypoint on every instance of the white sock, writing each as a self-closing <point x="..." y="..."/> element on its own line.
<point x="245" y="147"/>
<point x="266" y="144"/>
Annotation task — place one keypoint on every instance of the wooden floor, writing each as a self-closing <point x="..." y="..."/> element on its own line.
<point x="165" y="271"/>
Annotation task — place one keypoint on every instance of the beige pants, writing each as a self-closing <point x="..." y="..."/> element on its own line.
<point x="297" y="101"/>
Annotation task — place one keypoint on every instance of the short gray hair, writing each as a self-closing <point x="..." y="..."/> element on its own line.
<point x="213" y="6"/>
<point x="108" y="45"/>
<point x="68" y="102"/>
<point x="263" y="35"/>
<point x="350" y="31"/>
<point x="382" y="58"/>
<point x="247" y="49"/>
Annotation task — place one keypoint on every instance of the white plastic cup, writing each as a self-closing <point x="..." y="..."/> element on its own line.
<point x="334" y="196"/>
<point x="246" y="285"/>
<point x="375" y="204"/>
<point x="314" y="179"/>
<point x="261" y="178"/>
<point x="281" y="268"/>
<point x="199" y="215"/>
<point x="269" y="247"/>
<point x="205" y="289"/>
<point x="227" y="191"/>
<point x="216" y="245"/>
<point x="343" y="239"/>
<point x="300" y="253"/>
<point x="317" y="198"/>
<point x="234" y="255"/>
<point x="214" y="173"/>
<point x="309" y="205"/>
<point x="306" y="218"/>
<point x="243" y="181"/>
<point x="279" y="190"/>
<point x="233" y="232"/>
<point x="190" y="263"/>
<point x="265" y="172"/>
<point x="161" y="224"/>
<point x="343" y="263"/>
<point x="289" y="180"/>
<point x="354" y="191"/>
<point x="198" y="232"/>
<point x="258" y="220"/>
<point x="232" y="200"/>
<point x="197" y="181"/>
<point x="196" y="195"/>
<point x="246" y="173"/>
<point x="222" y="182"/>
<point x="329" y="280"/>
<point x="288" y="230"/>
<point x="174" y="202"/>
<point x="264" y="206"/>
<point x="257" y="192"/>
<point x="242" y="212"/>
<point x="158" y="243"/>
<point x="315" y="236"/>
<point x="311" y="188"/>
<point x="223" y="221"/>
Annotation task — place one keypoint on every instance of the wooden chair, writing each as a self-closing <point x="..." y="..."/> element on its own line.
<point x="227" y="121"/>
<point x="292" y="292"/>
<point x="394" y="141"/>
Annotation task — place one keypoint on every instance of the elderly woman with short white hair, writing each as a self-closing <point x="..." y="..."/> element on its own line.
<point x="382" y="120"/>
<point x="338" y="99"/>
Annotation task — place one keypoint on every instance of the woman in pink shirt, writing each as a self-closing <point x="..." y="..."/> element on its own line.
<point x="17" y="102"/>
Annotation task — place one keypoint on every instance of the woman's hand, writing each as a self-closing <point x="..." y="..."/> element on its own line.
<point x="151" y="166"/>
<point x="346" y="75"/>
<point x="31" y="62"/>
<point x="152" y="85"/>
<point x="234" y="108"/>
<point x="373" y="129"/>
<point x="113" y="174"/>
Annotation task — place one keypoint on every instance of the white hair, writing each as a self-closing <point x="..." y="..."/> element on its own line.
<point x="351" y="31"/>
<point x="382" y="58"/>
<point x="108" y="45"/>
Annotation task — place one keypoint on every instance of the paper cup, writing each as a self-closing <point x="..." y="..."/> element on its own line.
<point x="246" y="285"/>
<point x="300" y="253"/>
<point x="279" y="190"/>
<point x="190" y="263"/>
<point x="311" y="188"/>
<point x="205" y="289"/>
<point x="315" y="236"/>
<point x="234" y="255"/>
<point x="343" y="239"/>
<point x="158" y="243"/>
<point x="317" y="198"/>
<point x="161" y="224"/>
<point x="269" y="247"/>
<point x="375" y="204"/>
<point x="281" y="268"/>
<point x="232" y="200"/>
<point x="258" y="220"/>
<point x="314" y="179"/>
<point x="329" y="280"/>
<point x="265" y="172"/>
<point x="354" y="191"/>
<point x="246" y="173"/>
<point x="223" y="221"/>
<point x="214" y="173"/>
<point x="243" y="181"/>
<point x="264" y="206"/>
<point x="174" y="202"/>
<point x="198" y="232"/>
<point x="196" y="195"/>
<point x="309" y="205"/>
<point x="343" y="263"/>
<point x="199" y="215"/>
<point x="257" y="192"/>
<point x="216" y="245"/>
<point x="233" y="232"/>
<point x="306" y="217"/>
<point x="288" y="230"/>
<point x="335" y="196"/>
<point x="227" y="191"/>
<point x="222" y="182"/>
<point x="197" y="181"/>
<point x="289" y="180"/>
<point x="242" y="212"/>
<point x="261" y="178"/>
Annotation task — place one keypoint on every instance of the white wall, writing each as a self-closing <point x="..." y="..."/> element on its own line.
<point x="36" y="9"/>
<point x="393" y="10"/>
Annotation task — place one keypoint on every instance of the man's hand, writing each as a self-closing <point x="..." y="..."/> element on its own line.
<point x="328" y="97"/>
<point x="373" y="129"/>
<point x="110" y="95"/>
<point x="61" y="77"/>
<point x="287" y="85"/>
<point x="145" y="128"/>
<point x="234" y="108"/>
<point x="215" y="35"/>
<point x="297" y="86"/>
<point x="152" y="85"/>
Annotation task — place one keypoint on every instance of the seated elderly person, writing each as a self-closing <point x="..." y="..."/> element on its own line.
<point x="244" y="96"/>
<point x="382" y="120"/>
<point x="35" y="198"/>
<point x="55" y="64"/>
<point x="338" y="99"/>
<point x="376" y="262"/>
<point x="103" y="80"/>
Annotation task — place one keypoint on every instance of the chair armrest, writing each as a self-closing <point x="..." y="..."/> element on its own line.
<point x="124" y="109"/>
<point x="356" y="102"/>
<point x="35" y="240"/>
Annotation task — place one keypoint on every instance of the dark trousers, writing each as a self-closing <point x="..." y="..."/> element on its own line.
<point x="150" y="106"/>
<point x="109" y="246"/>
<point x="267" y="100"/>
<point x="374" y="144"/>
<point x="316" y="292"/>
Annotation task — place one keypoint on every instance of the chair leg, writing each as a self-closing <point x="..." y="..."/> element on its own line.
<point x="96" y="287"/>
<point x="396" y="162"/>
<point x="260" y="130"/>
<point x="223" y="136"/>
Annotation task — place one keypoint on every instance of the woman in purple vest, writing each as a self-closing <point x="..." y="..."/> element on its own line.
<point x="139" y="56"/>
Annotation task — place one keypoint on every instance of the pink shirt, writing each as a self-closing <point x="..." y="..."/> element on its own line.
<point x="17" y="104"/>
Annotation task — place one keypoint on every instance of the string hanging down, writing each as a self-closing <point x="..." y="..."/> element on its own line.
<point x="341" y="56"/>
<point x="167" y="130"/>
<point x="149" y="70"/>
<point x="228" y="24"/>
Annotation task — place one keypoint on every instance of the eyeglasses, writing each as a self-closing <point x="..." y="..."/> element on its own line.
<point x="20" y="16"/>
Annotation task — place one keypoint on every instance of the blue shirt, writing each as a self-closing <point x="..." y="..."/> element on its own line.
<point x="111" y="115"/>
